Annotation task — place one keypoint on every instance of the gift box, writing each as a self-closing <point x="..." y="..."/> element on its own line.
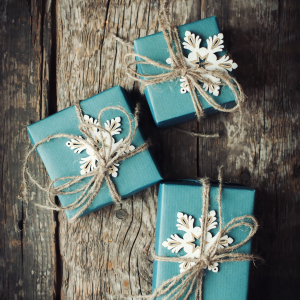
<point x="170" y="106"/>
<point x="62" y="158"/>
<point x="180" y="202"/>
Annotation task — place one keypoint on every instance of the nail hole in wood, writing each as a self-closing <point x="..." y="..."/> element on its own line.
<point x="121" y="214"/>
<point x="245" y="176"/>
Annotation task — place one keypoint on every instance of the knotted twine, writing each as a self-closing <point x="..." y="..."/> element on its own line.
<point x="191" y="280"/>
<point x="106" y="158"/>
<point x="179" y="68"/>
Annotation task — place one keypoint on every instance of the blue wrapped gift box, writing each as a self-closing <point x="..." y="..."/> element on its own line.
<point x="167" y="104"/>
<point x="185" y="196"/>
<point x="135" y="173"/>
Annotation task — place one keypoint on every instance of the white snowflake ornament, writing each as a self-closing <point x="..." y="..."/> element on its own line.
<point x="201" y="57"/>
<point x="187" y="242"/>
<point x="89" y="163"/>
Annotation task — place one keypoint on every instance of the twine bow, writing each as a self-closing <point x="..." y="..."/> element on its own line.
<point x="191" y="280"/>
<point x="180" y="68"/>
<point x="105" y="156"/>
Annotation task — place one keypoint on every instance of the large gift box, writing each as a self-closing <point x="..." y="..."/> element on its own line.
<point x="170" y="102"/>
<point x="63" y="157"/>
<point x="178" y="212"/>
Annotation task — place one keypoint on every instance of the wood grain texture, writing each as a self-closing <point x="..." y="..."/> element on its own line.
<point x="104" y="256"/>
<point x="107" y="253"/>
<point x="263" y="37"/>
<point x="27" y="254"/>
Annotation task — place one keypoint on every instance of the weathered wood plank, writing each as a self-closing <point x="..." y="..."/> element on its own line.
<point x="106" y="254"/>
<point x="259" y="35"/>
<point x="263" y="38"/>
<point x="112" y="255"/>
<point x="26" y="259"/>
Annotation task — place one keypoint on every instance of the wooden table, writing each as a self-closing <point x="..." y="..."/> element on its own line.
<point x="51" y="57"/>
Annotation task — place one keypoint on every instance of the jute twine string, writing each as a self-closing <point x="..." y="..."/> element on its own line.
<point x="191" y="280"/>
<point x="179" y="68"/>
<point x="189" y="132"/>
<point x="196" y="134"/>
<point x="105" y="156"/>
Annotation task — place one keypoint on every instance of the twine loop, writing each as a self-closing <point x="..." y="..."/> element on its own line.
<point x="87" y="185"/>
<point x="179" y="67"/>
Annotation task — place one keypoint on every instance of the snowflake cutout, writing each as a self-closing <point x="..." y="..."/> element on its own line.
<point x="89" y="163"/>
<point x="201" y="57"/>
<point x="187" y="243"/>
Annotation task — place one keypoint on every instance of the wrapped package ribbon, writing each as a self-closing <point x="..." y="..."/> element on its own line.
<point x="182" y="84"/>
<point x="94" y="153"/>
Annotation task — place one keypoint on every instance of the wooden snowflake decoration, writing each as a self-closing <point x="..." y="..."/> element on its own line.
<point x="201" y="57"/>
<point x="89" y="163"/>
<point x="187" y="243"/>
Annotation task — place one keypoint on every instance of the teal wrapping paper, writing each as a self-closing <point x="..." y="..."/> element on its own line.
<point x="168" y="106"/>
<point x="185" y="196"/>
<point x="135" y="173"/>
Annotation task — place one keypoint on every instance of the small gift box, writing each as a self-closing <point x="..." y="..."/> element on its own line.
<point x="178" y="234"/>
<point x="202" y="45"/>
<point x="70" y="157"/>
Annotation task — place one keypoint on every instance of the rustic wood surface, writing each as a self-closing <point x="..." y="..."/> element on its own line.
<point x="49" y="58"/>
